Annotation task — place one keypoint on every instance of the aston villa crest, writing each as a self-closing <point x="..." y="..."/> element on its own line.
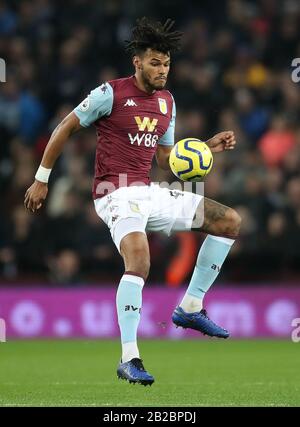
<point x="162" y="105"/>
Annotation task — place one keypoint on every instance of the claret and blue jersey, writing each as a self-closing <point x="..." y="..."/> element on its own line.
<point x="129" y="125"/>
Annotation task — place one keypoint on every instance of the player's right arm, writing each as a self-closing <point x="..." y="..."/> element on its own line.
<point x="98" y="104"/>
<point x="37" y="192"/>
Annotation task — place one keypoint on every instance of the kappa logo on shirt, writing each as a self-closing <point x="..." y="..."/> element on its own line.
<point x="130" y="103"/>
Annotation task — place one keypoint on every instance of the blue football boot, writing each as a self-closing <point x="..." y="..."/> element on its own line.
<point x="198" y="321"/>
<point x="134" y="372"/>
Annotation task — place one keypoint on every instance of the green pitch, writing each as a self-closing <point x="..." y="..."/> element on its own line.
<point x="187" y="373"/>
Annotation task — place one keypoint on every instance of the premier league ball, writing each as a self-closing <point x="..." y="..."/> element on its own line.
<point x="191" y="159"/>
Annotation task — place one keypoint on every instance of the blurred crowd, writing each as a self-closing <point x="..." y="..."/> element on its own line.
<point x="234" y="72"/>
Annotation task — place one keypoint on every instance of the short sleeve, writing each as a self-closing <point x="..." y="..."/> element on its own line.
<point x="98" y="103"/>
<point x="168" y="137"/>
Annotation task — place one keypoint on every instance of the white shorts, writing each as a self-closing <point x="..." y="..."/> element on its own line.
<point x="146" y="208"/>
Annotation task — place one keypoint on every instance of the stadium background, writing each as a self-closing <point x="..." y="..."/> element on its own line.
<point x="234" y="72"/>
<point x="59" y="269"/>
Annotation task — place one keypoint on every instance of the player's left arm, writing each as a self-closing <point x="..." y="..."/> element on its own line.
<point x="222" y="141"/>
<point x="166" y="143"/>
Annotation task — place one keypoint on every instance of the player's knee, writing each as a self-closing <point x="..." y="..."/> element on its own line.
<point x="233" y="223"/>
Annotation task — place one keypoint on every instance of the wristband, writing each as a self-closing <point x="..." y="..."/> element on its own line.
<point x="43" y="174"/>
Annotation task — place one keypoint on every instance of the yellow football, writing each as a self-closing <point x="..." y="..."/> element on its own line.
<point x="191" y="159"/>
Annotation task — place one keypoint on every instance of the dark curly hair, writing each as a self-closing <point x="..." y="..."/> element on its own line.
<point x="154" y="35"/>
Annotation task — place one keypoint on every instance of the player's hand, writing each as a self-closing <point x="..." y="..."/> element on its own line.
<point x="35" y="196"/>
<point x="222" y="141"/>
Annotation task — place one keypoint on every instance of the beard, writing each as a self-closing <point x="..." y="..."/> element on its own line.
<point x="152" y="85"/>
